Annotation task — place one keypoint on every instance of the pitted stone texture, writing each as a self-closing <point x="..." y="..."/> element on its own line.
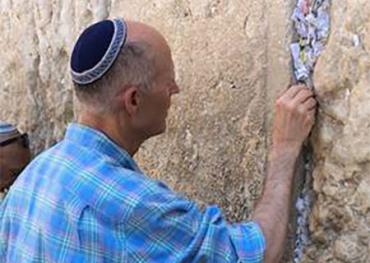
<point x="340" y="223"/>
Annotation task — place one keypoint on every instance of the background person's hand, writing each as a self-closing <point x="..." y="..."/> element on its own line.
<point x="294" y="117"/>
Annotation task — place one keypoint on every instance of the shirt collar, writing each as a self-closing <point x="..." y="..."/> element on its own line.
<point x="94" y="139"/>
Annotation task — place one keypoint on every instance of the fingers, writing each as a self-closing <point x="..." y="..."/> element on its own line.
<point x="298" y="99"/>
<point x="308" y="109"/>
<point x="299" y="94"/>
<point x="303" y="95"/>
<point x="310" y="104"/>
<point x="293" y="91"/>
<point x="310" y="118"/>
<point x="281" y="93"/>
<point x="312" y="113"/>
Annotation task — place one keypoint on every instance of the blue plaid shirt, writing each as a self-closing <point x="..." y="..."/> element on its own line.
<point x="85" y="200"/>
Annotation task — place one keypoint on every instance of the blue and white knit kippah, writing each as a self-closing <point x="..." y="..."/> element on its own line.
<point x="97" y="49"/>
<point x="7" y="128"/>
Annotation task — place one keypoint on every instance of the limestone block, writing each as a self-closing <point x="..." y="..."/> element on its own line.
<point x="340" y="222"/>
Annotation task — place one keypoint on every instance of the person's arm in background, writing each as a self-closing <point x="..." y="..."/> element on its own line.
<point x="294" y="118"/>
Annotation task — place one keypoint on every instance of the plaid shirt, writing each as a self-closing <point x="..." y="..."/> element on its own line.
<point x="85" y="200"/>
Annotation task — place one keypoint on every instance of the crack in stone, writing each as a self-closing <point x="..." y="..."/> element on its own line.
<point x="312" y="25"/>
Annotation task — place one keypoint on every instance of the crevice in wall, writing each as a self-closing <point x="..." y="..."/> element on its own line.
<point x="312" y="24"/>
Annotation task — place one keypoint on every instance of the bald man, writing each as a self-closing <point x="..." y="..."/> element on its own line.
<point x="86" y="200"/>
<point x="14" y="154"/>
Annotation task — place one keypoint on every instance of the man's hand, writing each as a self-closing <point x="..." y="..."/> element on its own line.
<point x="294" y="117"/>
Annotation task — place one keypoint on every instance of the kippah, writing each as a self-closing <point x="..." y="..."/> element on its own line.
<point x="97" y="49"/>
<point x="7" y="131"/>
<point x="6" y="128"/>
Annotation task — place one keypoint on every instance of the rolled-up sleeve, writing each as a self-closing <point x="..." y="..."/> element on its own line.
<point x="164" y="227"/>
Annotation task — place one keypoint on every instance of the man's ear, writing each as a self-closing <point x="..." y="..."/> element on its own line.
<point x="130" y="99"/>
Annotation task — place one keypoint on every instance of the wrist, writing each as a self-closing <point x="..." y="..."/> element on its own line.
<point x="285" y="151"/>
<point x="286" y="148"/>
<point x="282" y="163"/>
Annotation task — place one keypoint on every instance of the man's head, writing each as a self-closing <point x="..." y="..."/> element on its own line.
<point x="136" y="89"/>
<point x="14" y="154"/>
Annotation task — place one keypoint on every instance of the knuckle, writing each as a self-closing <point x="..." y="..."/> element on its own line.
<point x="297" y="87"/>
<point x="312" y="103"/>
<point x="279" y="103"/>
<point x="301" y="110"/>
<point x="308" y="93"/>
<point x="291" y="107"/>
<point x="311" y="118"/>
<point x="294" y="88"/>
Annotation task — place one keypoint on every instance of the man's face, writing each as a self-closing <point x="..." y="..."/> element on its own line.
<point x="156" y="101"/>
<point x="13" y="158"/>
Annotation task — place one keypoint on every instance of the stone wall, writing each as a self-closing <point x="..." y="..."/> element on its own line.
<point x="340" y="222"/>
<point x="232" y="59"/>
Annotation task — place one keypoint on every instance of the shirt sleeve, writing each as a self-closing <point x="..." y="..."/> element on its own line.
<point x="164" y="227"/>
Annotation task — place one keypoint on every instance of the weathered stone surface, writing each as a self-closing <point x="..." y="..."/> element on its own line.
<point x="232" y="58"/>
<point x="340" y="222"/>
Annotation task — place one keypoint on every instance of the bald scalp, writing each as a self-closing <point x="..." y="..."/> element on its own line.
<point x="141" y="32"/>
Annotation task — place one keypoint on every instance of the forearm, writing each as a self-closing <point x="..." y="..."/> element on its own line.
<point x="272" y="211"/>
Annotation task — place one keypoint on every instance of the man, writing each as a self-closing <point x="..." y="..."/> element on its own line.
<point x="14" y="154"/>
<point x="86" y="200"/>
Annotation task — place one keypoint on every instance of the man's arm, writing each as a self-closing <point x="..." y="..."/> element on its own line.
<point x="294" y="117"/>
